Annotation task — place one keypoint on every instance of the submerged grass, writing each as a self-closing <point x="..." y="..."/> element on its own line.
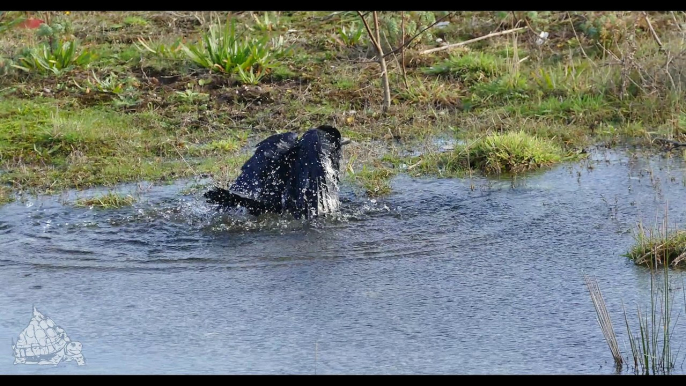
<point x="106" y="201"/>
<point x="375" y="182"/>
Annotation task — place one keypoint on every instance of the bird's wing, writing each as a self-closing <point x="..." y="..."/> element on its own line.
<point x="261" y="184"/>
<point x="263" y="176"/>
<point x="314" y="190"/>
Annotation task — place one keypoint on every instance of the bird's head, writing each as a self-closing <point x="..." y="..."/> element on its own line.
<point x="335" y="134"/>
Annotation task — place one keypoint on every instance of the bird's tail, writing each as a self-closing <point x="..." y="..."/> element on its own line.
<point x="228" y="200"/>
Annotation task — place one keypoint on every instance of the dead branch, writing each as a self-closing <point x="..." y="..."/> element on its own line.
<point x="494" y="34"/>
<point x="406" y="43"/>
<point x="652" y="30"/>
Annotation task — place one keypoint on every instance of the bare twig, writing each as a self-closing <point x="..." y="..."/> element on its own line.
<point x="402" y="52"/>
<point x="676" y="21"/>
<point x="494" y="34"/>
<point x="578" y="40"/>
<point x="662" y="48"/>
<point x="376" y="40"/>
<point x="657" y="38"/>
<point x="405" y="44"/>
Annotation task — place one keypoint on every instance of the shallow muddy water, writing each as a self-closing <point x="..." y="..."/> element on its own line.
<point x="444" y="276"/>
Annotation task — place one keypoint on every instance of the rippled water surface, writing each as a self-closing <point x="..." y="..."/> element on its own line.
<point x="445" y="276"/>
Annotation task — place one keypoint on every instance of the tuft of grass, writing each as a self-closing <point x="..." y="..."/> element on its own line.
<point x="375" y="182"/>
<point x="107" y="201"/>
<point x="657" y="247"/>
<point x="510" y="152"/>
<point x="513" y="152"/>
<point x="227" y="145"/>
<point x="651" y="348"/>
<point x="470" y="68"/>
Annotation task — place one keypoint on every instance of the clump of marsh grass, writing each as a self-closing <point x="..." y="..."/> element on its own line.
<point x="656" y="247"/>
<point x="469" y="68"/>
<point x="513" y="152"/>
<point x="650" y="348"/>
<point x="376" y="182"/>
<point x="106" y="201"/>
<point x="510" y="152"/>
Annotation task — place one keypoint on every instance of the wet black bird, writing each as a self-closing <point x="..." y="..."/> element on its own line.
<point x="288" y="175"/>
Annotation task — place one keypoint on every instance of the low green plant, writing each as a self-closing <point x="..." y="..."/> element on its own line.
<point x="221" y="49"/>
<point x="110" y="84"/>
<point x="172" y="51"/>
<point x="190" y="96"/>
<point x="61" y="57"/>
<point x="135" y="20"/>
<point x="251" y="76"/>
<point x="352" y="36"/>
<point x="9" y="20"/>
<point x="391" y="24"/>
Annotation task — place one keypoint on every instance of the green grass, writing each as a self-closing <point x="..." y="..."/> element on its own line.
<point x="508" y="153"/>
<point x="106" y="201"/>
<point x="469" y="68"/>
<point x="513" y="152"/>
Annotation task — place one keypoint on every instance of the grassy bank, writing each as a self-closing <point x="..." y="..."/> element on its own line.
<point x="99" y="98"/>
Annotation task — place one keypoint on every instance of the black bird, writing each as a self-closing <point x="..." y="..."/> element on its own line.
<point x="288" y="175"/>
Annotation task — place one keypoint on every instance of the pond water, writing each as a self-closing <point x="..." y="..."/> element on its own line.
<point x="444" y="276"/>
